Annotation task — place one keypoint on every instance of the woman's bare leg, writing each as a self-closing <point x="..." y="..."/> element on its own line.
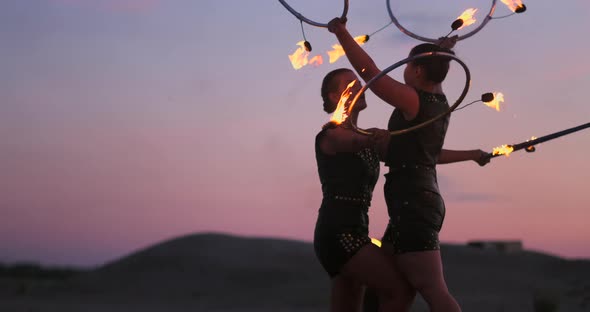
<point x="409" y="295"/>
<point x="406" y="297"/>
<point x="347" y="294"/>
<point x="370" y="266"/>
<point x="424" y="271"/>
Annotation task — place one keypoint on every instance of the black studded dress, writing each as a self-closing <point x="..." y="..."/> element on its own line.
<point x="415" y="206"/>
<point x="342" y="226"/>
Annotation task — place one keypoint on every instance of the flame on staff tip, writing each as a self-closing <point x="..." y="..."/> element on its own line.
<point x="341" y="113"/>
<point x="503" y="150"/>
<point x="495" y="103"/>
<point x="515" y="6"/>
<point x="376" y="242"/>
<point x="338" y="52"/>
<point x="299" y="57"/>
<point x="465" y="19"/>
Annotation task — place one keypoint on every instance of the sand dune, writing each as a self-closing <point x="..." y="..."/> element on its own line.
<point x="217" y="272"/>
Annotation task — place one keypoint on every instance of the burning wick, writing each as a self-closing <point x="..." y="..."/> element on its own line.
<point x="341" y="113"/>
<point x="494" y="102"/>
<point x="503" y="150"/>
<point x="300" y="57"/>
<point x="465" y="19"/>
<point x="456" y="24"/>
<point x="363" y="38"/>
<point x="520" y="9"/>
<point x="338" y="52"/>
<point x="516" y="6"/>
<point x="489" y="99"/>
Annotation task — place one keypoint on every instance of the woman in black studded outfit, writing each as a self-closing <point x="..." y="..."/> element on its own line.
<point x="348" y="168"/>
<point x="415" y="206"/>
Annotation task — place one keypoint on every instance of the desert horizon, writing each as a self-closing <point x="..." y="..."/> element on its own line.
<point x="196" y="271"/>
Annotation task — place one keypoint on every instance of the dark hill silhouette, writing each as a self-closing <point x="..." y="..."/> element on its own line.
<point x="204" y="268"/>
<point x="219" y="272"/>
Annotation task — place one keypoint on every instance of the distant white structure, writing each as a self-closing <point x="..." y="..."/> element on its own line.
<point x="504" y="246"/>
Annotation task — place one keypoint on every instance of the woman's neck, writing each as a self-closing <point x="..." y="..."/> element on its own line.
<point x="435" y="88"/>
<point x="352" y="119"/>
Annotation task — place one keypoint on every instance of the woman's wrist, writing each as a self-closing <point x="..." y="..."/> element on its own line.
<point x="477" y="154"/>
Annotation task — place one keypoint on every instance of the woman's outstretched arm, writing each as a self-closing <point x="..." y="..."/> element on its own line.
<point x="452" y="156"/>
<point x="388" y="89"/>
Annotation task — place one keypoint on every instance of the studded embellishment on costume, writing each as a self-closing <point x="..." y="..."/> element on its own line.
<point x="394" y="237"/>
<point x="431" y="98"/>
<point x="433" y="243"/>
<point x="369" y="156"/>
<point x="351" y="243"/>
<point x="362" y="200"/>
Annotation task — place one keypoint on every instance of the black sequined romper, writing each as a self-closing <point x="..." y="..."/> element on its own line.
<point x="415" y="206"/>
<point x="342" y="226"/>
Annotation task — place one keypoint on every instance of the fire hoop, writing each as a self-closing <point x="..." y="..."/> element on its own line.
<point x="405" y="61"/>
<point x="310" y="22"/>
<point x="413" y="35"/>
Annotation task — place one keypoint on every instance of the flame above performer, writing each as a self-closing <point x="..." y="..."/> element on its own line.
<point x="299" y="58"/>
<point x="338" y="52"/>
<point x="495" y="103"/>
<point x="515" y="5"/>
<point x="465" y="19"/>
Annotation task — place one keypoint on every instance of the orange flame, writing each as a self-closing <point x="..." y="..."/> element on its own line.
<point x="299" y="57"/>
<point x="503" y="150"/>
<point x="338" y="52"/>
<point x="467" y="17"/>
<point x="340" y="114"/>
<point x="316" y="61"/>
<point x="498" y="98"/>
<point x="513" y="4"/>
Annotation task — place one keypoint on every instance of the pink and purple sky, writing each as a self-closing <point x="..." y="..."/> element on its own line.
<point x="126" y="123"/>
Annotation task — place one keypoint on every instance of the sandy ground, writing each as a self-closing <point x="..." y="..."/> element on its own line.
<point x="220" y="273"/>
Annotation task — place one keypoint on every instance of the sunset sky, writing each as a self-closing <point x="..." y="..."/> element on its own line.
<point x="124" y="123"/>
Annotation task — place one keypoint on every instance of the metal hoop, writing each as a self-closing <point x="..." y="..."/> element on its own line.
<point x="310" y="22"/>
<point x="413" y="35"/>
<point x="405" y="61"/>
